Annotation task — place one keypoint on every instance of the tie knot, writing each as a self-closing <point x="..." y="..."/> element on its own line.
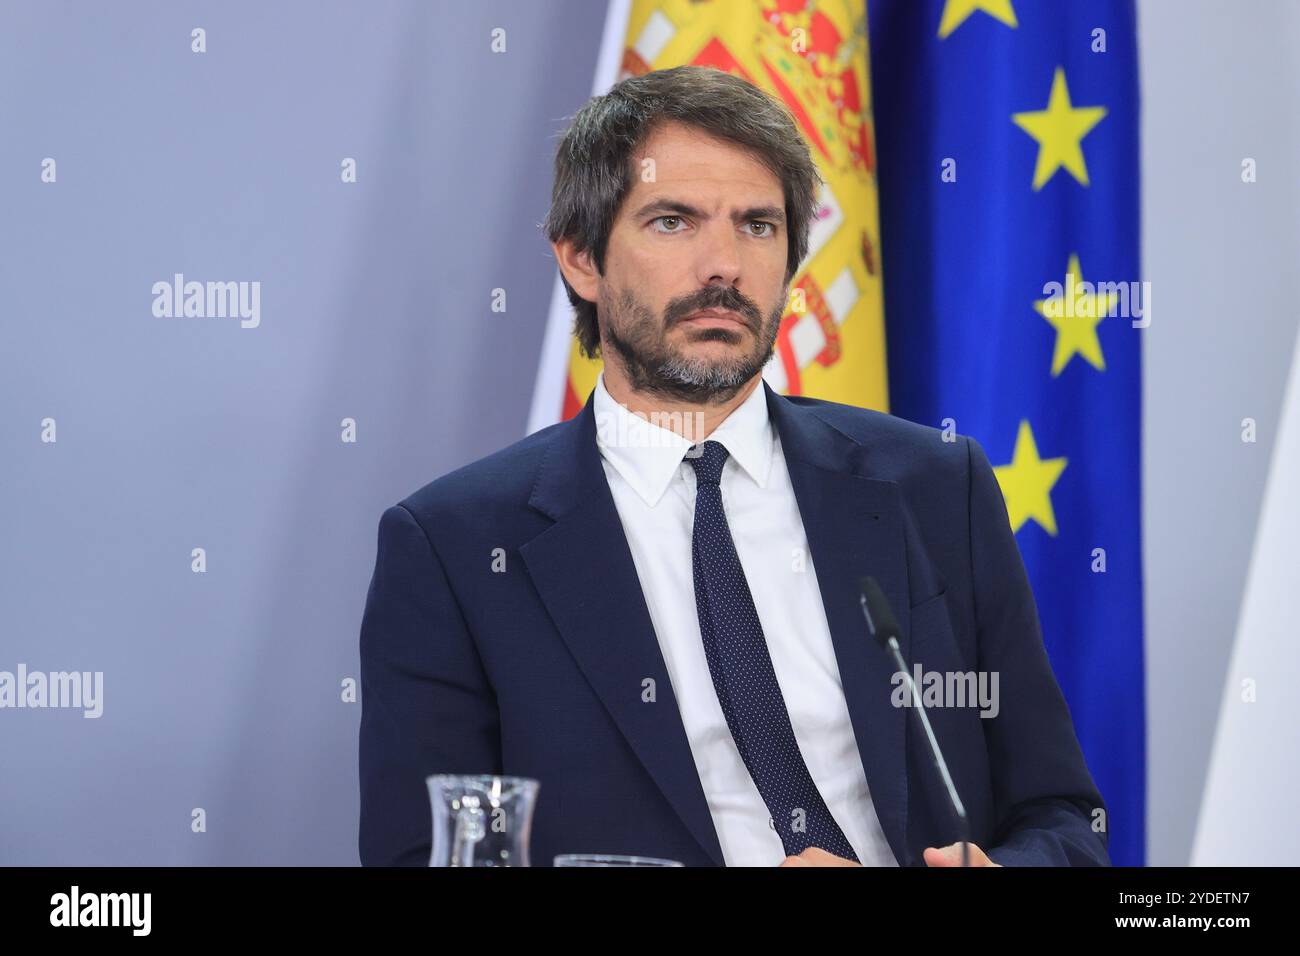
<point x="707" y="460"/>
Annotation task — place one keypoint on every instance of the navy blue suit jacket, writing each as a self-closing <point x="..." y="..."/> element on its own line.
<point x="538" y="670"/>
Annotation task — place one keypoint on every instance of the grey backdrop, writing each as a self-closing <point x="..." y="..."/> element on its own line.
<point x="1220" y="83"/>
<point x="222" y="689"/>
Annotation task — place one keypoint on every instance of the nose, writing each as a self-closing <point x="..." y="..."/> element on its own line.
<point x="718" y="259"/>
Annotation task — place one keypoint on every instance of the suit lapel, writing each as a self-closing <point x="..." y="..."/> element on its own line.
<point x="854" y="525"/>
<point x="583" y="570"/>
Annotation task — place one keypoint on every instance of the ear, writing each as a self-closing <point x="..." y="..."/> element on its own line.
<point x="578" y="269"/>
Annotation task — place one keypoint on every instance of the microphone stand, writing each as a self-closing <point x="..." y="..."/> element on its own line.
<point x="887" y="635"/>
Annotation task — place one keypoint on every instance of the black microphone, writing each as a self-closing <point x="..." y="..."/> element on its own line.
<point x="882" y="626"/>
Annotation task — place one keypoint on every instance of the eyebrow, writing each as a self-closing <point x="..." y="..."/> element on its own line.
<point x="674" y="207"/>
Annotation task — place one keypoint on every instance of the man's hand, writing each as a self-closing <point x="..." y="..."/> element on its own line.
<point x="950" y="855"/>
<point x="815" y="856"/>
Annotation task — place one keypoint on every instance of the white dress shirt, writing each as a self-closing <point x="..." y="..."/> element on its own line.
<point x="654" y="492"/>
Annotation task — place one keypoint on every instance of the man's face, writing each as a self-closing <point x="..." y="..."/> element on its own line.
<point x="706" y="232"/>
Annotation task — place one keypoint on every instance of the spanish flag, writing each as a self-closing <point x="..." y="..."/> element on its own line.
<point x="814" y="57"/>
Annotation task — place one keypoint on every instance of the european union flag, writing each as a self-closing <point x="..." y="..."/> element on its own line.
<point x="1007" y="134"/>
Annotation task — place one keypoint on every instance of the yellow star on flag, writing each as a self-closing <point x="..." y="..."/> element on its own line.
<point x="1059" y="130"/>
<point x="1075" y="315"/>
<point x="1027" y="483"/>
<point x="955" y="13"/>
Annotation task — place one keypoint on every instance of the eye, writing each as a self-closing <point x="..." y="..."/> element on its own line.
<point x="676" y="219"/>
<point x="771" y="226"/>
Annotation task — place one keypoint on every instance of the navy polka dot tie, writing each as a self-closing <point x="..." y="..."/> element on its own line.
<point x="743" y="675"/>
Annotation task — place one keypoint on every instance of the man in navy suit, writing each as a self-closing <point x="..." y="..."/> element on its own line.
<point x="653" y="608"/>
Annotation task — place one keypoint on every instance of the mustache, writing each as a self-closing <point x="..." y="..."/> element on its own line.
<point x="727" y="300"/>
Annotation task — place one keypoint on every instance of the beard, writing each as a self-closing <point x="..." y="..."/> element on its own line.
<point x="655" y="366"/>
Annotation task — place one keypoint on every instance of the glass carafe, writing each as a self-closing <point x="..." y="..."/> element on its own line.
<point x="481" y="820"/>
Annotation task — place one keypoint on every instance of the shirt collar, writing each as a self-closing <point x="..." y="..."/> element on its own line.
<point x="648" y="455"/>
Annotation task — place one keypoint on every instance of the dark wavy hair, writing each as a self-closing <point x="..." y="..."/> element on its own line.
<point x="593" y="161"/>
